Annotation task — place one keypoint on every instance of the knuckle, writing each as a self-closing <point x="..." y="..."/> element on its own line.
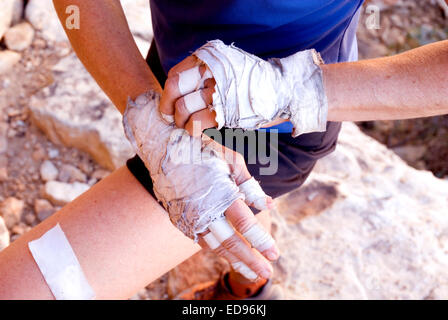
<point x="234" y="244"/>
<point x="243" y="223"/>
<point x="171" y="73"/>
<point x="171" y="83"/>
<point x="181" y="113"/>
<point x="221" y="251"/>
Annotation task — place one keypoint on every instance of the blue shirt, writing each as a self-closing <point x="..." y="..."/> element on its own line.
<point x="266" y="28"/>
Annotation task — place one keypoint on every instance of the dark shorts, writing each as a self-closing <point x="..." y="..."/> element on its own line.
<point x="278" y="161"/>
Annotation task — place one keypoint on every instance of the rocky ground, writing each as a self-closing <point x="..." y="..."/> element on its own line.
<point x="405" y="25"/>
<point x="58" y="136"/>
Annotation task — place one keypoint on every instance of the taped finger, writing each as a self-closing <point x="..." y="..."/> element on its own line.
<point x="193" y="79"/>
<point x="221" y="229"/>
<point x="238" y="266"/>
<point x="254" y="194"/>
<point x="190" y="104"/>
<point x="259" y="238"/>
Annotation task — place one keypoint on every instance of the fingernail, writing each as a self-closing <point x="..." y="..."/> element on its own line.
<point x="265" y="274"/>
<point x="272" y="255"/>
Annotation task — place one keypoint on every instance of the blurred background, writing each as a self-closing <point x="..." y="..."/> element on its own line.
<point x="371" y="222"/>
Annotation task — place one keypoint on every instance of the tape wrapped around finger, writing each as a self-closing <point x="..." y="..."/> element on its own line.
<point x="168" y="118"/>
<point x="242" y="268"/>
<point x="191" y="80"/>
<point x="221" y="229"/>
<point x="254" y="194"/>
<point x="238" y="266"/>
<point x="194" y="102"/>
<point x="259" y="238"/>
<point x="211" y="241"/>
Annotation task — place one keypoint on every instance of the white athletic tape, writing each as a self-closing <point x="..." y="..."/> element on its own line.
<point x="259" y="238"/>
<point x="191" y="80"/>
<point x="242" y="268"/>
<point x="194" y="102"/>
<point x="192" y="182"/>
<point x="168" y="118"/>
<point x="251" y="92"/>
<point x="211" y="241"/>
<point x="254" y="194"/>
<point x="221" y="229"/>
<point x="60" y="267"/>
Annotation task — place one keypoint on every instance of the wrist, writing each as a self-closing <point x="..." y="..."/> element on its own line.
<point x="303" y="84"/>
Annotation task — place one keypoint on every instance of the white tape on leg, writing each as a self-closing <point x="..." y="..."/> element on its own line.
<point x="259" y="238"/>
<point x="242" y="268"/>
<point x="211" y="241"/>
<point x="254" y="194"/>
<point x="221" y="229"/>
<point x="61" y="269"/>
<point x="194" y="102"/>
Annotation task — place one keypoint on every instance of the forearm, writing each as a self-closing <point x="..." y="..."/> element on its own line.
<point x="409" y="85"/>
<point x="107" y="49"/>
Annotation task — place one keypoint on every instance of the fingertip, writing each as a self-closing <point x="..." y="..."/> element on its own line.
<point x="270" y="203"/>
<point x="272" y="254"/>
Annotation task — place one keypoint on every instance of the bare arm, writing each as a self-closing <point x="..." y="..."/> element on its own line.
<point x="107" y="49"/>
<point x="409" y="85"/>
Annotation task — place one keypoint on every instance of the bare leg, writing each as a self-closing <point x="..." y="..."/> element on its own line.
<point x="122" y="237"/>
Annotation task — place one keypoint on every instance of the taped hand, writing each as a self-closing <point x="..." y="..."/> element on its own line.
<point x="202" y="186"/>
<point x="246" y="91"/>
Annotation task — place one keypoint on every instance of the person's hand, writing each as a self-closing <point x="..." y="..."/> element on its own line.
<point x="250" y="92"/>
<point x="237" y="248"/>
<point x="201" y="185"/>
<point x="188" y="96"/>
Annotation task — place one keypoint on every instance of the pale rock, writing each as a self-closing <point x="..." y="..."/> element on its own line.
<point x="19" y="229"/>
<point x="138" y="15"/>
<point x="100" y="174"/>
<point x="48" y="171"/>
<point x="8" y="59"/>
<point x="53" y="153"/>
<point x="30" y="218"/>
<point x="42" y="15"/>
<point x="365" y="225"/>
<point x="11" y="211"/>
<point x="377" y="231"/>
<point x="3" y="174"/>
<point x="61" y="193"/>
<point x="6" y="15"/>
<point x="410" y="154"/>
<point x="76" y="113"/>
<point x="3" y="136"/>
<point x="69" y="173"/>
<point x="43" y="210"/>
<point x="17" y="11"/>
<point x="19" y="37"/>
<point x="4" y="235"/>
